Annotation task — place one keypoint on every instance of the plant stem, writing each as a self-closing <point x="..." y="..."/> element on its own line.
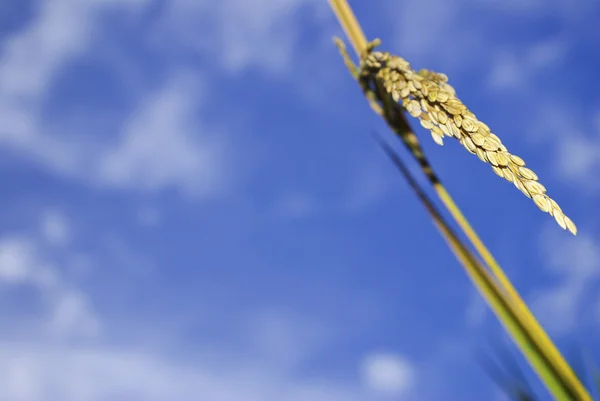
<point x="359" y="42"/>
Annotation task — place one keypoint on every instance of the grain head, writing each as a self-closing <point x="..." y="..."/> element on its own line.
<point x="429" y="97"/>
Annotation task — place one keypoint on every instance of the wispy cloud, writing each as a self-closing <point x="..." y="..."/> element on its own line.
<point x="516" y="71"/>
<point x="96" y="373"/>
<point x="579" y="157"/>
<point x="561" y="9"/>
<point x="164" y="142"/>
<point x="67" y="312"/>
<point x="164" y="145"/>
<point x="71" y="353"/>
<point x="55" y="228"/>
<point x="237" y="34"/>
<point x="32" y="57"/>
<point x="388" y="373"/>
<point x="575" y="139"/>
<point x="576" y="262"/>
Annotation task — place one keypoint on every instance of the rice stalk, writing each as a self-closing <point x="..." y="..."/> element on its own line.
<point x="393" y="114"/>
<point x="508" y="376"/>
<point x="412" y="143"/>
<point x="428" y="96"/>
<point x="491" y="292"/>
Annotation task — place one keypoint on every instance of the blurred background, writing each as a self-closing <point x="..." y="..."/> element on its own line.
<point x="192" y="206"/>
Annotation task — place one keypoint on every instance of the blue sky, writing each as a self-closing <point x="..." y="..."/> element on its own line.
<point x="193" y="207"/>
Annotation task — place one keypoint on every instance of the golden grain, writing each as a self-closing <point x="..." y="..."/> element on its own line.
<point x="428" y="96"/>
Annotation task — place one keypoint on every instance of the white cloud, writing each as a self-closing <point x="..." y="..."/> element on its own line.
<point x="60" y="30"/>
<point x="564" y="10"/>
<point x="432" y="19"/>
<point x="547" y="53"/>
<point x="239" y="34"/>
<point x="157" y="148"/>
<point x="32" y="57"/>
<point x="388" y="373"/>
<point x="575" y="139"/>
<point x="52" y="373"/>
<point x="67" y="312"/>
<point x="258" y="364"/>
<point x="283" y="339"/>
<point x="578" y="159"/>
<point x="72" y="316"/>
<point x="164" y="145"/>
<point x="55" y="228"/>
<point x="507" y="72"/>
<point x="19" y="263"/>
<point x="64" y="357"/>
<point x="471" y="37"/>
<point x="577" y="261"/>
<point x="516" y="70"/>
<point x="262" y="36"/>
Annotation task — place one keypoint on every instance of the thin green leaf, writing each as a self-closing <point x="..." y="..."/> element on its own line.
<point x="489" y="289"/>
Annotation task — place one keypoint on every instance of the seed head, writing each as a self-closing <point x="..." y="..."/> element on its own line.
<point x="427" y="96"/>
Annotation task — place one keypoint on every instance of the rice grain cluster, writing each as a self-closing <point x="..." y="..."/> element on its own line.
<point x="428" y="96"/>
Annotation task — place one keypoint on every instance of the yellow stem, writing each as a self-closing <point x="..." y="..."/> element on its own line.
<point x="350" y="25"/>
<point x="359" y="42"/>
<point x="529" y="319"/>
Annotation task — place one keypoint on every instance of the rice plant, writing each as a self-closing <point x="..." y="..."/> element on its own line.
<point x="503" y="368"/>
<point x="394" y="90"/>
